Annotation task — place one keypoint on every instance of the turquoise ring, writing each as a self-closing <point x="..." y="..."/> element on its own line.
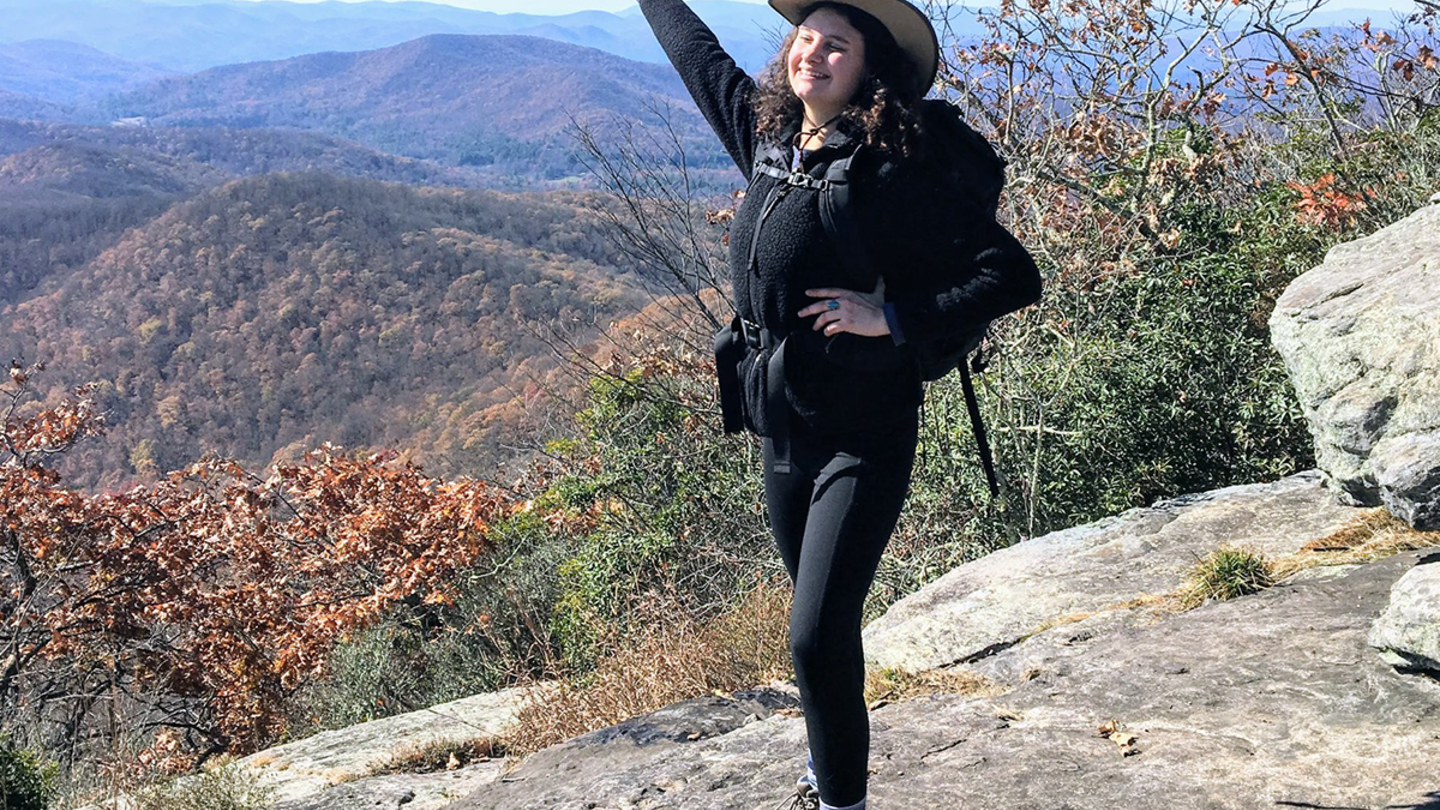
<point x="833" y="305"/>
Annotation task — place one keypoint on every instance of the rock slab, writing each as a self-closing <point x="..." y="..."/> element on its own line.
<point x="1274" y="699"/>
<point x="997" y="601"/>
<point x="413" y="791"/>
<point x="305" y="768"/>
<point x="1361" y="339"/>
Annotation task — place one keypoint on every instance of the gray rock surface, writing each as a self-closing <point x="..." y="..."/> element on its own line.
<point x="414" y="791"/>
<point x="1361" y="339"/>
<point x="307" y="767"/>
<point x="1269" y="700"/>
<point x="996" y="601"/>
<point x="1408" y="632"/>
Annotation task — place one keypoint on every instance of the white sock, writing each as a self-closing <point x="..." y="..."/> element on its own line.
<point x="857" y="806"/>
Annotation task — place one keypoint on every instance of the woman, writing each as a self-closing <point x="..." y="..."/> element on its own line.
<point x="825" y="367"/>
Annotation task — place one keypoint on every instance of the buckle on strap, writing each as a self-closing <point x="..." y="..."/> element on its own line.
<point x="800" y="178"/>
<point x="753" y="334"/>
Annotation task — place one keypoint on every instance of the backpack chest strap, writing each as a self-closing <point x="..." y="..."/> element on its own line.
<point x="800" y="179"/>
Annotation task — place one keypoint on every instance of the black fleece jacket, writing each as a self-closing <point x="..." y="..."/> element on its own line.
<point x="843" y="384"/>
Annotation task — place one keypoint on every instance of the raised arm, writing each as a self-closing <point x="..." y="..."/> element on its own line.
<point x="721" y="90"/>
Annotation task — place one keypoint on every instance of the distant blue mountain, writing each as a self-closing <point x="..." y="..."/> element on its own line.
<point x="192" y="36"/>
<point x="65" y="73"/>
<point x="24" y="107"/>
<point x="502" y="101"/>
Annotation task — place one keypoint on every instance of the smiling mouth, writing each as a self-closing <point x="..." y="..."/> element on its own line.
<point x="805" y="74"/>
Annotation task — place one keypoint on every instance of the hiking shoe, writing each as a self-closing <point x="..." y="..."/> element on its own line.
<point x="808" y="799"/>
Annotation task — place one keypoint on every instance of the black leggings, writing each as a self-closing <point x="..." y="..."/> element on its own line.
<point x="832" y="516"/>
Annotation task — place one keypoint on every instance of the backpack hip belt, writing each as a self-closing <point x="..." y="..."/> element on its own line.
<point x="733" y="344"/>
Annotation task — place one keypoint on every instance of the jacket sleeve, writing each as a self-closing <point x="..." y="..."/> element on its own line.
<point x="721" y="90"/>
<point x="957" y="283"/>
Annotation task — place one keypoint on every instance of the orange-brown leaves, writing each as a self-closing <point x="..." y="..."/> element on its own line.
<point x="1323" y="205"/>
<point x="215" y="585"/>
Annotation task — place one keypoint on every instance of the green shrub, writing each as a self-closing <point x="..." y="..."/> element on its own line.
<point x="27" y="781"/>
<point x="656" y="495"/>
<point x="647" y="495"/>
<point x="1149" y="378"/>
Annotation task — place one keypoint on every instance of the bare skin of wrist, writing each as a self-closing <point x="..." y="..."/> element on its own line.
<point x="854" y="312"/>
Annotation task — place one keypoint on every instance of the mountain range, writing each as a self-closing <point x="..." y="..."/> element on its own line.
<point x="476" y="100"/>
<point x="481" y="110"/>
<point x="194" y="36"/>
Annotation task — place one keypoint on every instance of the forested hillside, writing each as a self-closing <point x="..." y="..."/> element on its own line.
<point x="72" y="169"/>
<point x="67" y="192"/>
<point x="19" y="105"/>
<point x="235" y="152"/>
<point x="271" y="314"/>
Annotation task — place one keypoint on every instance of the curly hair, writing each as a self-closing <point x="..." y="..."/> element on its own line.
<point x="883" y="114"/>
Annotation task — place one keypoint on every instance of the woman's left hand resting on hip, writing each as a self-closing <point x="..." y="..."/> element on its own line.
<point x="855" y="312"/>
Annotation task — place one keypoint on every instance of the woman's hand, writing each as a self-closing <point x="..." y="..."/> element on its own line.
<point x="849" y="311"/>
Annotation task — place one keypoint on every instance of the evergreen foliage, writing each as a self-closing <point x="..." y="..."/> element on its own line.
<point x="26" y="781"/>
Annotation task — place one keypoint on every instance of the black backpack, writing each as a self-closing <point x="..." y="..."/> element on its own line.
<point x="975" y="174"/>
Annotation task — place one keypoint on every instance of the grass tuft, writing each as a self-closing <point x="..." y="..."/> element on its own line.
<point x="443" y="755"/>
<point x="1226" y="573"/>
<point x="1373" y="535"/>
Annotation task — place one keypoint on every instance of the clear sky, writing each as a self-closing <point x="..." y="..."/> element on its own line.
<point x="567" y="6"/>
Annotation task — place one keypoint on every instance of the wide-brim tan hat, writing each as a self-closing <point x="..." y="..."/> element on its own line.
<point x="907" y="24"/>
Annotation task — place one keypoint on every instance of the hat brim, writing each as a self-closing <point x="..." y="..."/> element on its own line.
<point x="907" y="24"/>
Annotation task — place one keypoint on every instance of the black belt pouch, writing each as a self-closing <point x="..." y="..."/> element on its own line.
<point x="730" y="350"/>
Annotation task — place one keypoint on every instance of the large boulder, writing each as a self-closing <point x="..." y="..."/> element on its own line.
<point x="1408" y="632"/>
<point x="1361" y="339"/>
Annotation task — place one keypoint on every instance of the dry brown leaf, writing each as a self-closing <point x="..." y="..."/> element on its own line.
<point x="1110" y="730"/>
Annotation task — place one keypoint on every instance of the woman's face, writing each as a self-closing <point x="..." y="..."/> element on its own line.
<point x="826" y="63"/>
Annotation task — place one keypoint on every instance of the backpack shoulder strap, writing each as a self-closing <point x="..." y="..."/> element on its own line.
<point x="838" y="216"/>
<point x="770" y="160"/>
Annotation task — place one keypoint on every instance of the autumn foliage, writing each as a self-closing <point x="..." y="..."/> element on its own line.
<point x="197" y="604"/>
<point x="1121" y="117"/>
